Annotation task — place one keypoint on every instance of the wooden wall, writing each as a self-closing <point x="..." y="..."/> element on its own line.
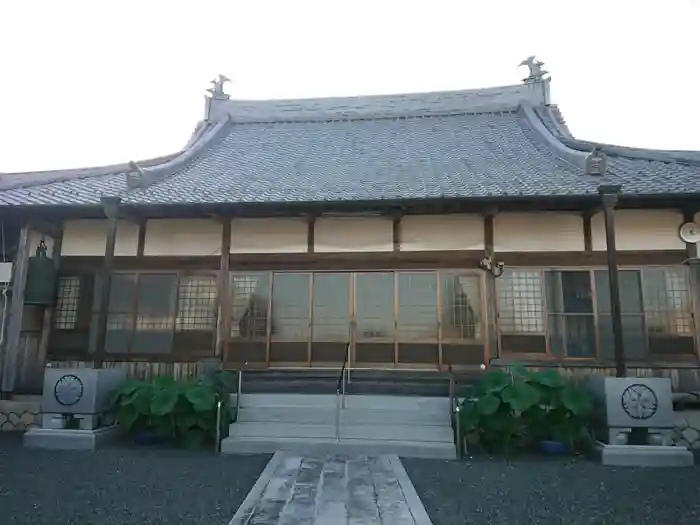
<point x="513" y="232"/>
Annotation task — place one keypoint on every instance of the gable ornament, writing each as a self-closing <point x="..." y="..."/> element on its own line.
<point x="217" y="87"/>
<point x="536" y="72"/>
<point x="596" y="162"/>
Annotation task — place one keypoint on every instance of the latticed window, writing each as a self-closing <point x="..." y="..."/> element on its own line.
<point x="67" y="298"/>
<point x="567" y="313"/>
<point x="197" y="304"/>
<point x="250" y="296"/>
<point x="460" y="296"/>
<point x="520" y="300"/>
<point x="148" y="313"/>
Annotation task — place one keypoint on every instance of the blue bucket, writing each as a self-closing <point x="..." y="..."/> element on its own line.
<point x="554" y="448"/>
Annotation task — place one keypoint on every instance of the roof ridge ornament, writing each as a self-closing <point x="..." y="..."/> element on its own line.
<point x="135" y="177"/>
<point x="596" y="162"/>
<point x="217" y="88"/>
<point x="536" y="72"/>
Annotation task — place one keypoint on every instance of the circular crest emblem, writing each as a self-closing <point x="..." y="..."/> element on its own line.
<point x="639" y="401"/>
<point x="68" y="390"/>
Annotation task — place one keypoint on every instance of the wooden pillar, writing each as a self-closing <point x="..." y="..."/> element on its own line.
<point x="587" y="231"/>
<point x="310" y="233"/>
<point x="224" y="292"/>
<point x="488" y="302"/>
<point x="610" y="195"/>
<point x="396" y="231"/>
<point x="47" y="324"/>
<point x="691" y="253"/>
<point x="14" y="325"/>
<point x="110" y="205"/>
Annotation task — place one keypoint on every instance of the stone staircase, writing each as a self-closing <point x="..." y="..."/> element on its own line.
<point x="409" y="426"/>
<point x="375" y="382"/>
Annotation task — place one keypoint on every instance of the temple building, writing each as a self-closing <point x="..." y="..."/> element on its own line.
<point x="422" y="231"/>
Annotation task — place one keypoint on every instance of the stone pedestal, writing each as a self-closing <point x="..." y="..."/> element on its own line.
<point x="82" y="393"/>
<point x="636" y="422"/>
<point x="79" y="396"/>
<point x="65" y="439"/>
<point x="645" y="456"/>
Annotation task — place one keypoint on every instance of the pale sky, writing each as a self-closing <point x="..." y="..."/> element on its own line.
<point x="86" y="83"/>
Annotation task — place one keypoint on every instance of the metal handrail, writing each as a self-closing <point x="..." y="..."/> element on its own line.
<point x="340" y="390"/>
<point x="239" y="389"/>
<point x="454" y="414"/>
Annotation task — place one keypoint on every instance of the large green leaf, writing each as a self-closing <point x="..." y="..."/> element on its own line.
<point x="165" y="382"/>
<point x="201" y="397"/>
<point x="164" y="401"/>
<point x="125" y="389"/>
<point x="519" y="371"/>
<point x="488" y="404"/>
<point x="468" y="420"/>
<point x="577" y="401"/>
<point x="141" y="399"/>
<point x="520" y="396"/>
<point x="163" y="425"/>
<point x="548" y="378"/>
<point x="127" y="416"/>
<point x="186" y="420"/>
<point x="493" y="382"/>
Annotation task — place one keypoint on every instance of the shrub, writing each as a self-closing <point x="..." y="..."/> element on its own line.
<point x="181" y="412"/>
<point x="515" y="409"/>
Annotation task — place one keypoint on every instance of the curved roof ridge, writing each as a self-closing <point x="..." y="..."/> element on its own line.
<point x="21" y="179"/>
<point x="554" y="121"/>
<point x="156" y="167"/>
<point x="561" y="150"/>
<point x="390" y="105"/>
<point x="205" y="138"/>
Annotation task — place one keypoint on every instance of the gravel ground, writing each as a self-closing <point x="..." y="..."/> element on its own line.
<point x="121" y="486"/>
<point x="554" y="491"/>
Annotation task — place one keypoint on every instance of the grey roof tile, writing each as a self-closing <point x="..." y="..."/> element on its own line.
<point x="505" y="152"/>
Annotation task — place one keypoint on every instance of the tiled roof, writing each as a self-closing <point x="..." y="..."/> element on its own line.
<point x="499" y="142"/>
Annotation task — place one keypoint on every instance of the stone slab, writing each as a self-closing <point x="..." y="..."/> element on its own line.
<point x="646" y="456"/>
<point x="302" y="446"/>
<point x="332" y="490"/>
<point x="64" y="439"/>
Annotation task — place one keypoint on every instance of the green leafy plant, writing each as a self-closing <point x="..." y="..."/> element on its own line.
<point x="511" y="410"/>
<point x="181" y="412"/>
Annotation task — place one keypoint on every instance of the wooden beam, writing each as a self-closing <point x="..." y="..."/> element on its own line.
<point x="489" y="234"/>
<point x="141" y="242"/>
<point x="224" y="293"/>
<point x="49" y="312"/>
<point x="587" y="231"/>
<point x="311" y="233"/>
<point x="46" y="227"/>
<point x="396" y="231"/>
<point x="691" y="249"/>
<point x="110" y="206"/>
<point x="14" y="325"/>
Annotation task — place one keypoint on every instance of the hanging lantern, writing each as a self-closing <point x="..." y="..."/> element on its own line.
<point x="41" y="279"/>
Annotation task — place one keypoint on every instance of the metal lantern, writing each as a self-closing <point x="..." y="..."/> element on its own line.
<point x="41" y="279"/>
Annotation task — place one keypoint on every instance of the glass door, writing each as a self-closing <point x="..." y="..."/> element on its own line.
<point x="330" y="318"/>
<point x="375" y="324"/>
<point x="417" y="319"/>
<point x="290" y="320"/>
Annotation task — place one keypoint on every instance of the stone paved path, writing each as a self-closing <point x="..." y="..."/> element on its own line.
<point x="332" y="490"/>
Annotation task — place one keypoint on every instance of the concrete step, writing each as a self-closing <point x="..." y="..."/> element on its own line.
<point x="436" y="434"/>
<point x="349" y="416"/>
<point x="407" y="449"/>
<point x="325" y="381"/>
<point x="433" y="404"/>
<point x="303" y="386"/>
